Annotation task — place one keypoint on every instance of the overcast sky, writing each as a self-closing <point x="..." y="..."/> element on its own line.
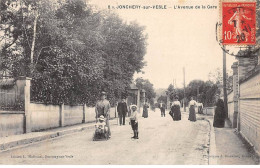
<point x="177" y="38"/>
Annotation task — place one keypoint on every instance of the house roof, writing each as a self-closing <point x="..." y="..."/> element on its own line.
<point x="133" y="86"/>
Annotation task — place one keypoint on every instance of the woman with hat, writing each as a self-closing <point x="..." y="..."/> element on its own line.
<point x="192" y="114"/>
<point x="219" y="116"/>
<point x="175" y="109"/>
<point x="145" y="110"/>
<point x="134" y="121"/>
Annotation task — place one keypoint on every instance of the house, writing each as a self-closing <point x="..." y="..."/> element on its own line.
<point x="135" y="96"/>
<point x="244" y="99"/>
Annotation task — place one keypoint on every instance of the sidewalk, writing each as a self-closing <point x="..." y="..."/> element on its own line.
<point x="15" y="141"/>
<point x="226" y="147"/>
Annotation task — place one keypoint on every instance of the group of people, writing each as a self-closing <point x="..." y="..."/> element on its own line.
<point x="219" y="115"/>
<point x="175" y="110"/>
<point x="102" y="110"/>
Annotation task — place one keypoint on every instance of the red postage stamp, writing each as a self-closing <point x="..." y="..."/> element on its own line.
<point x="239" y="23"/>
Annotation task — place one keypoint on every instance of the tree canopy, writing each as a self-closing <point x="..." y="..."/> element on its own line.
<point x="202" y="91"/>
<point x="162" y="99"/>
<point x="78" y="51"/>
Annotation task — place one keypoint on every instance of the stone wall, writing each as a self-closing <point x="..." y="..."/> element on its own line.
<point x="11" y="123"/>
<point x="72" y="115"/>
<point x="44" y="116"/>
<point x="38" y="116"/>
<point x="52" y="116"/>
<point x="12" y="94"/>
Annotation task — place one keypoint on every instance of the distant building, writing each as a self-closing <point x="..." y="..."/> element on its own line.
<point x="135" y="96"/>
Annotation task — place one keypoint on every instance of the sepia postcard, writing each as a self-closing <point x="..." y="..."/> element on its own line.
<point x="129" y="82"/>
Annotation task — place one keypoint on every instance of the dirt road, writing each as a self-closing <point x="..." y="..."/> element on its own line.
<point x="162" y="141"/>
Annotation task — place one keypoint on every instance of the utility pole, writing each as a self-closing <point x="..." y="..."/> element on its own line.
<point x="198" y="90"/>
<point x="225" y="84"/>
<point x="184" y="96"/>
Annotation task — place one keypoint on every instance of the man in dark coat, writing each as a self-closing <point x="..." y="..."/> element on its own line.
<point x="162" y="108"/>
<point x="219" y="116"/>
<point x="122" y="110"/>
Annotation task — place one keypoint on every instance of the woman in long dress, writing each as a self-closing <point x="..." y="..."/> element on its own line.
<point x="192" y="114"/>
<point x="145" y="111"/>
<point x="176" y="112"/>
<point x="200" y="108"/>
<point x="219" y="116"/>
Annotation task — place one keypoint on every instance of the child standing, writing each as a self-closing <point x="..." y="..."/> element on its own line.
<point x="134" y="121"/>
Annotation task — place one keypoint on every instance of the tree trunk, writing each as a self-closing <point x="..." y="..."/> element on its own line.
<point x="34" y="36"/>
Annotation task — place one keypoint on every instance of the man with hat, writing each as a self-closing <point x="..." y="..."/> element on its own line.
<point x="162" y="108"/>
<point x="122" y="110"/>
<point x="103" y="108"/>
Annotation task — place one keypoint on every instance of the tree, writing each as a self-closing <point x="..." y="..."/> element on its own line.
<point x="202" y="91"/>
<point x="123" y="53"/>
<point x="77" y="52"/>
<point x="179" y="92"/>
<point x="162" y="99"/>
<point x="14" y="20"/>
<point x="171" y="92"/>
<point x="193" y="87"/>
<point x="70" y="70"/>
<point x="217" y="78"/>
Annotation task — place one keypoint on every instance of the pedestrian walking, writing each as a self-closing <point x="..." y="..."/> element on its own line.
<point x="134" y="121"/>
<point x="103" y="108"/>
<point x="192" y="114"/>
<point x="200" y="108"/>
<point x="122" y="111"/>
<point x="162" y="108"/>
<point x="219" y="116"/>
<point x="145" y="110"/>
<point x="176" y="109"/>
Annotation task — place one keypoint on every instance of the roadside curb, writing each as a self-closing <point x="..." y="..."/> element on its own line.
<point x="9" y="145"/>
<point x="212" y="144"/>
<point x="42" y="136"/>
